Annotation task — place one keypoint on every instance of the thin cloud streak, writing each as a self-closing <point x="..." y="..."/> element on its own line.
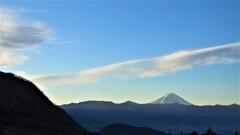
<point x="145" y="68"/>
<point x="59" y="42"/>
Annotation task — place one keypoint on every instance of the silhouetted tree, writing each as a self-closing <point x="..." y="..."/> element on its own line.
<point x="236" y="133"/>
<point x="209" y="132"/>
<point x="181" y="133"/>
<point x="169" y="132"/>
<point x="194" y="133"/>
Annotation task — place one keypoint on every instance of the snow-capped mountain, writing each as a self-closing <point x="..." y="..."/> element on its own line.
<point x="171" y="98"/>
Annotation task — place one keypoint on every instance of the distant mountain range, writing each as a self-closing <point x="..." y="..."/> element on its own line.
<point x="160" y="115"/>
<point x="25" y="110"/>
<point x="169" y="98"/>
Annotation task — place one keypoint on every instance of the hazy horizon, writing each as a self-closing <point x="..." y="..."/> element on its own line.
<point x="124" y="50"/>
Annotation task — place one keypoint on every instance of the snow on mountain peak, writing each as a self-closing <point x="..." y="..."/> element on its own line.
<point x="171" y="98"/>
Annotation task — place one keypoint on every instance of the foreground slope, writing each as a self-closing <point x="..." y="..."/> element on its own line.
<point x="124" y="129"/>
<point x="24" y="109"/>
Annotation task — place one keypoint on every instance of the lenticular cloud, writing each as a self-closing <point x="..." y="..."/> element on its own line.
<point x="143" y="68"/>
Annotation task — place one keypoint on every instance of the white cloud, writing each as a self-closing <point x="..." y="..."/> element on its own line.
<point x="18" y="34"/>
<point x="144" y="68"/>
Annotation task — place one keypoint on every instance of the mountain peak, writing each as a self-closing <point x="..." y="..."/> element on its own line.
<point x="171" y="98"/>
<point x="170" y="94"/>
<point x="129" y="102"/>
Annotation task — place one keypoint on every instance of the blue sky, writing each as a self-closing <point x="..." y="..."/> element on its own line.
<point x="73" y="37"/>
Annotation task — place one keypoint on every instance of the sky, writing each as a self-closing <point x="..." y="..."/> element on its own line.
<point x="124" y="50"/>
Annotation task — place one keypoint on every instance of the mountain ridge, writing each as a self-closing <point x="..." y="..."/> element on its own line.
<point x="126" y="102"/>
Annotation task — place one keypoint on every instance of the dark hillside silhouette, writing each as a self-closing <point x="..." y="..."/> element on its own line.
<point x="25" y="110"/>
<point x="124" y="129"/>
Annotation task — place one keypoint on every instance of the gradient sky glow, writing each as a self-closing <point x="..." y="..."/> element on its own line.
<point x="95" y="45"/>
